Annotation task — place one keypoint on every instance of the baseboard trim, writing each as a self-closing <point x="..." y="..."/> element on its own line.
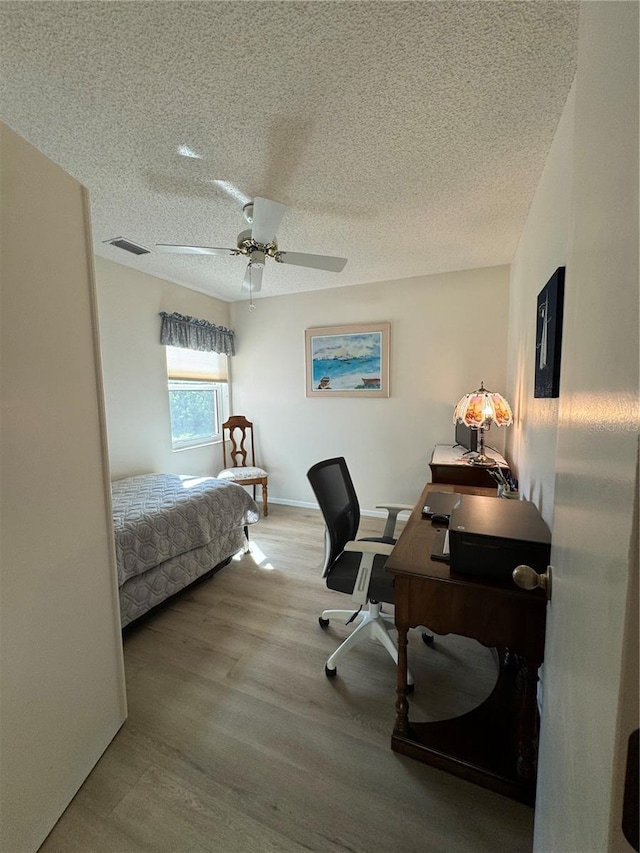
<point x="285" y="502"/>
<point x="372" y="513"/>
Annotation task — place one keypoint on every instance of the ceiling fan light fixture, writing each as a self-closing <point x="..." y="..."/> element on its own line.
<point x="257" y="259"/>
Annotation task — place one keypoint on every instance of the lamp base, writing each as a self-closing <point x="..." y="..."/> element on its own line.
<point x="483" y="460"/>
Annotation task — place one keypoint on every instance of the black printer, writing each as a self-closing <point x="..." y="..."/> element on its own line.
<point x="489" y="537"/>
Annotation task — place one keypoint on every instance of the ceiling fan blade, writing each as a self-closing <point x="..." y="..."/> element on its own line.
<point x="252" y="279"/>
<point x="267" y="215"/>
<point x="194" y="250"/>
<point x="316" y="262"/>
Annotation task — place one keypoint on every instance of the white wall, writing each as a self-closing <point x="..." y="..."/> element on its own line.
<point x="62" y="682"/>
<point x="531" y="442"/>
<point x="135" y="370"/>
<point x="387" y="442"/>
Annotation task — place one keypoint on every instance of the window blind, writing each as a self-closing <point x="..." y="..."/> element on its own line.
<point x="196" y="365"/>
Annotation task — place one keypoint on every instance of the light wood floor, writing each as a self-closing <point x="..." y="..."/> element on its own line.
<point x="236" y="742"/>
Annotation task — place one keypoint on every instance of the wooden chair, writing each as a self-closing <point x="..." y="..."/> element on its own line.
<point x="238" y="431"/>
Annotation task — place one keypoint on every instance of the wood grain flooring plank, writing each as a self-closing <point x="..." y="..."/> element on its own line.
<point x="236" y="742"/>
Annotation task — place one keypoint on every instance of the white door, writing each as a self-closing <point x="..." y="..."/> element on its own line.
<point x="62" y="692"/>
<point x="596" y="482"/>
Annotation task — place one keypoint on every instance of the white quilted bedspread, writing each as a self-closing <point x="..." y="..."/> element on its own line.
<point x="159" y="516"/>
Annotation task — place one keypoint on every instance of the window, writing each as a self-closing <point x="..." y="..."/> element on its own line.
<point x="198" y="396"/>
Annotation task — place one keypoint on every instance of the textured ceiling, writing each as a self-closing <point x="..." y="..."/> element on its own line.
<point x="406" y="137"/>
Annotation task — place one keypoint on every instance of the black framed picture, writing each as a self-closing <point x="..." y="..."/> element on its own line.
<point x="549" y="336"/>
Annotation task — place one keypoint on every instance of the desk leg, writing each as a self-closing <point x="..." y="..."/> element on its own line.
<point x="528" y="735"/>
<point x="402" y="704"/>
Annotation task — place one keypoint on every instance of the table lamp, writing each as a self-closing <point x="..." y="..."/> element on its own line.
<point x="478" y="410"/>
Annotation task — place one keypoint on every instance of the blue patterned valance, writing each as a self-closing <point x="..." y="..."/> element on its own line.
<point x="179" y="330"/>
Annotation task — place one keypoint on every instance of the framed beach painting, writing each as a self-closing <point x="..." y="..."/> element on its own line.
<point x="348" y="361"/>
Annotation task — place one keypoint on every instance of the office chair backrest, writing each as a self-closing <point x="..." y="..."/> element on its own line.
<point x="336" y="496"/>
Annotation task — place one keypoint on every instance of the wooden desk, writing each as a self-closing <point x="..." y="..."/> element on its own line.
<point x="495" y="745"/>
<point x="449" y="465"/>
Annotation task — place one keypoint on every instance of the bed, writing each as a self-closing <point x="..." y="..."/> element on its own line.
<point x="171" y="530"/>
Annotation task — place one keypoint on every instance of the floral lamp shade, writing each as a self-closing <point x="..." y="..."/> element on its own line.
<point x="479" y="410"/>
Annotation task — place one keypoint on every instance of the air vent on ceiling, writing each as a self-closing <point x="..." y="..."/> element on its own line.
<point x="128" y="246"/>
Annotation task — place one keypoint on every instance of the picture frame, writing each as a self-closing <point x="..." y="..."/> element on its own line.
<point x="549" y="315"/>
<point x="348" y="361"/>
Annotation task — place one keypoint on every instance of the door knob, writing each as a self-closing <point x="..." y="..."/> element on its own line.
<point x="528" y="578"/>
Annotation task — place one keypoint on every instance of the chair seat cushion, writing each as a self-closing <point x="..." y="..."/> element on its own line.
<point x="248" y="473"/>
<point x="343" y="572"/>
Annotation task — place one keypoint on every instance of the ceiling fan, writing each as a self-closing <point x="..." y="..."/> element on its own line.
<point x="259" y="243"/>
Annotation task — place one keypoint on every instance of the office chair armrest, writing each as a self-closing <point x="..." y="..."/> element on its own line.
<point x="368" y="550"/>
<point x="393" y="511"/>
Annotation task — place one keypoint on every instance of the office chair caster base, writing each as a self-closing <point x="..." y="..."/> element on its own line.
<point x="330" y="673"/>
<point x="322" y="622"/>
<point x="427" y="639"/>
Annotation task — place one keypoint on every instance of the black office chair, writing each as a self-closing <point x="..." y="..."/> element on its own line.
<point x="355" y="568"/>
